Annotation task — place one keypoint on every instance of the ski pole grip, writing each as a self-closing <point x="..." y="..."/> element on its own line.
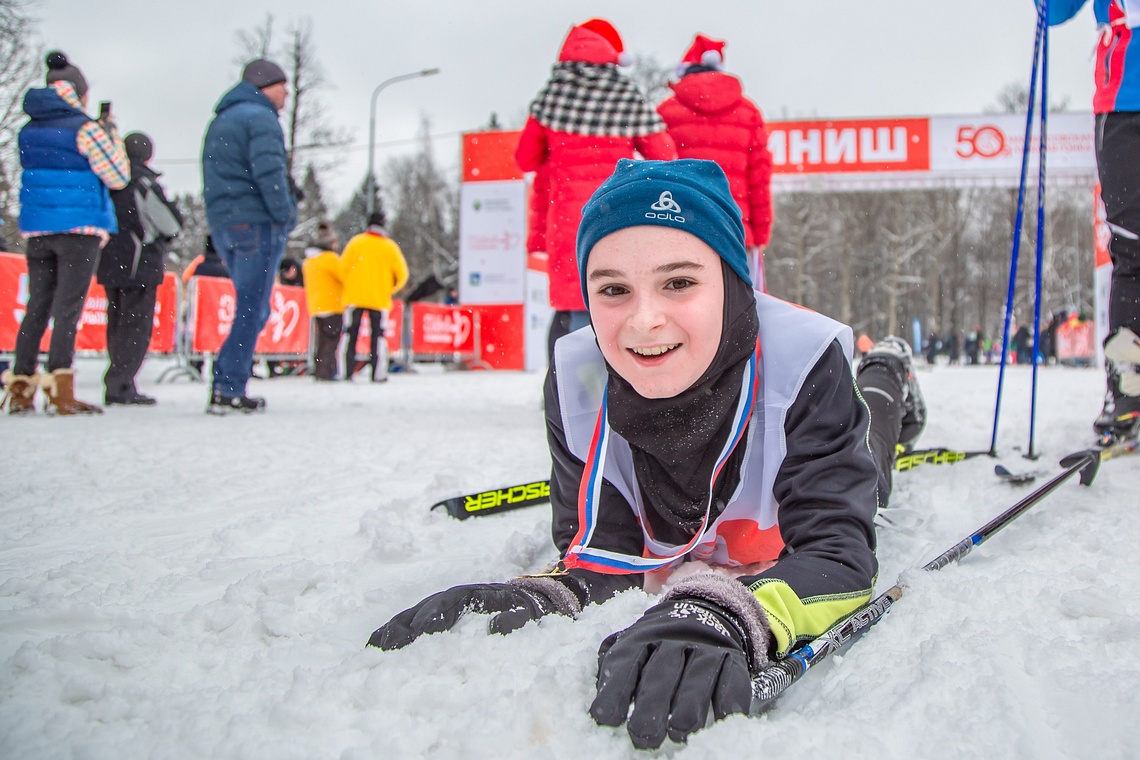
<point x="771" y="682"/>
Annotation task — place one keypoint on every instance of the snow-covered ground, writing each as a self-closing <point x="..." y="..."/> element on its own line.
<point x="174" y="585"/>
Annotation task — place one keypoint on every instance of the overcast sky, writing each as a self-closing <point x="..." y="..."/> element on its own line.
<point x="165" y="65"/>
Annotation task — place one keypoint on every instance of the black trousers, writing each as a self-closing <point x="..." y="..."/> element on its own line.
<point x="376" y="323"/>
<point x="1118" y="162"/>
<point x="130" y="322"/>
<point x="59" y="275"/>
<point x="881" y="390"/>
<point x="328" y="330"/>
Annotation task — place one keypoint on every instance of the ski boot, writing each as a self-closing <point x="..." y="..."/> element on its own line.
<point x="1120" y="417"/>
<point x="894" y="353"/>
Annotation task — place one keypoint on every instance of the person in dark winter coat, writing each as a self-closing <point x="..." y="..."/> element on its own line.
<point x="586" y="117"/>
<point x="709" y="117"/>
<point x="251" y="208"/>
<point x="130" y="269"/>
<point x="1022" y="345"/>
<point x="70" y="163"/>
<point x="699" y="424"/>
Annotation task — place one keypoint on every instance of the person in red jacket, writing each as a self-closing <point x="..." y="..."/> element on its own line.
<point x="586" y="117"/>
<point x="709" y="118"/>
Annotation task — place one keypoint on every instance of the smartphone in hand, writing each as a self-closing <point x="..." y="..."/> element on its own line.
<point x="104" y="110"/>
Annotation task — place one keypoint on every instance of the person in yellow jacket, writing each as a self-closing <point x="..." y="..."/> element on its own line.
<point x="372" y="268"/>
<point x="321" y="272"/>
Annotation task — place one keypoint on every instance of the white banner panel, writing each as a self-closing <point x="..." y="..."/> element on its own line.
<point x="492" y="242"/>
<point x="992" y="144"/>
<point x="926" y="152"/>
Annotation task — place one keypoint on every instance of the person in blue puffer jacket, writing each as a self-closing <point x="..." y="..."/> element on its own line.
<point x="70" y="163"/>
<point x="251" y="208"/>
<point x="1116" y="104"/>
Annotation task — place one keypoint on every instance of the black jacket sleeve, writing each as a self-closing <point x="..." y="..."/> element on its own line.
<point x="828" y="492"/>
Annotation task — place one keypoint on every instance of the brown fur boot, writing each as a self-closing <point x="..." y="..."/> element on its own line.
<point x="19" y="392"/>
<point x="59" y="387"/>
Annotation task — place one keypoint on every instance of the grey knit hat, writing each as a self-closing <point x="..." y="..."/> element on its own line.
<point x="262" y="73"/>
<point x="61" y="70"/>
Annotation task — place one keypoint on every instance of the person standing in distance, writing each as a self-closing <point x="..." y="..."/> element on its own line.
<point x="587" y="116"/>
<point x="130" y="270"/>
<point x="70" y="164"/>
<point x="1116" y="104"/>
<point x="372" y="269"/>
<point x="251" y="208"/>
<point x="709" y="117"/>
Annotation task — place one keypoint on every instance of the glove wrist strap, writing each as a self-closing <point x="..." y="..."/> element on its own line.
<point x="734" y="598"/>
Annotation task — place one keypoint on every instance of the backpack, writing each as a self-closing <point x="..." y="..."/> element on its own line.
<point x="158" y="221"/>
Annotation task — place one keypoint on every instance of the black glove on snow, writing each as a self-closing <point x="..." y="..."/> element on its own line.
<point x="517" y="603"/>
<point x="682" y="656"/>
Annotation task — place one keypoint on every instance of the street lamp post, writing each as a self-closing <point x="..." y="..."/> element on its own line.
<point x="371" y="200"/>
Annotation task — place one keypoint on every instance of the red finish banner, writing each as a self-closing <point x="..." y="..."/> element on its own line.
<point x="92" y="332"/>
<point x="849" y="145"/>
<point x="213" y="305"/>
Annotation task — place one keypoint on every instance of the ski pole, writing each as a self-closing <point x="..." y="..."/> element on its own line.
<point x="1017" y="225"/>
<point x="1042" y="142"/>
<point x="774" y="680"/>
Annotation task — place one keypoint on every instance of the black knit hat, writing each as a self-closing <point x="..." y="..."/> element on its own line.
<point x="61" y="70"/>
<point x="378" y="218"/>
<point x="262" y="73"/>
<point x="139" y="147"/>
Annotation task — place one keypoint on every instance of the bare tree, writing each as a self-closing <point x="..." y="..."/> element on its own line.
<point x="19" y="66"/>
<point x="424" y="209"/>
<point x="256" y="42"/>
<point x="651" y="77"/>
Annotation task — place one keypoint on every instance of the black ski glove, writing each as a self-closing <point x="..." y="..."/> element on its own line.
<point x="517" y="603"/>
<point x="683" y="655"/>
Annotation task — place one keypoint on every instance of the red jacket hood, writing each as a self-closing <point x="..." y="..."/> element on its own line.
<point x="709" y="91"/>
<point x="587" y="46"/>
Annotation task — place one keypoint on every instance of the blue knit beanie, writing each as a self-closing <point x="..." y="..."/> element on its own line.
<point x="687" y="194"/>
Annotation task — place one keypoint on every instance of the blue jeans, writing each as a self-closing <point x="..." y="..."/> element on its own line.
<point x="252" y="253"/>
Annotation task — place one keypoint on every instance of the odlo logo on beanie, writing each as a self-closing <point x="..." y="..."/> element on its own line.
<point x="665" y="208"/>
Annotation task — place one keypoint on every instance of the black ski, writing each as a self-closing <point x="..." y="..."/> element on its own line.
<point x="538" y="492"/>
<point x="496" y="500"/>
<point x="912" y="459"/>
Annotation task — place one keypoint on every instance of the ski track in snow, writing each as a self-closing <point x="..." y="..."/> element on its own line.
<point x="174" y="585"/>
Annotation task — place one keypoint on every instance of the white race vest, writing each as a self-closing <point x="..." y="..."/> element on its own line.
<point x="791" y="340"/>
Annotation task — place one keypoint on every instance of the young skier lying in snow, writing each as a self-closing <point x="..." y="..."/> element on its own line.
<point x="700" y="422"/>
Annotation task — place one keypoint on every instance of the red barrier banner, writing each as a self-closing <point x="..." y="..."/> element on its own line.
<point x="1076" y="340"/>
<point x="438" y="329"/>
<point x="502" y="335"/>
<point x="393" y="330"/>
<point x="213" y="303"/>
<point x="92" y="331"/>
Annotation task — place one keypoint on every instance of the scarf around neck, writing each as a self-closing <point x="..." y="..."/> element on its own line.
<point x="594" y="99"/>
<point x="676" y="441"/>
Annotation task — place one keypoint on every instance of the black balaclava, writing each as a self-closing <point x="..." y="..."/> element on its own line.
<point x="676" y="441"/>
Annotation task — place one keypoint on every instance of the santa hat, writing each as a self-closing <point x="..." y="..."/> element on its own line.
<point x="594" y="41"/>
<point x="705" y="52"/>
